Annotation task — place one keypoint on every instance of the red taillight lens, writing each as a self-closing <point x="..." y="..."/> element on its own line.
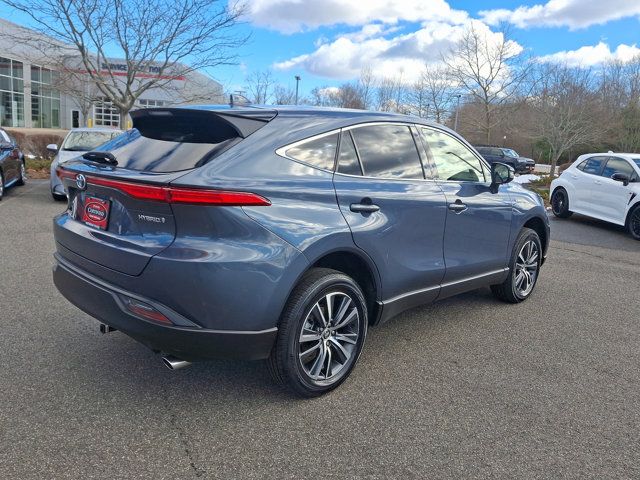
<point x="191" y="196"/>
<point x="15" y="154"/>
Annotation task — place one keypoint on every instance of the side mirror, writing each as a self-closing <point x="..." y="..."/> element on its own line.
<point x="501" y="173"/>
<point x="621" y="177"/>
<point x="52" y="147"/>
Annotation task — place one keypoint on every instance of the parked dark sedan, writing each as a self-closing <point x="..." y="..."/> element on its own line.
<point x="509" y="156"/>
<point x="12" y="167"/>
<point x="284" y="233"/>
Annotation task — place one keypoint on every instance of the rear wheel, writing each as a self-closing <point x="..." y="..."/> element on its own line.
<point x="633" y="224"/>
<point x="524" y="267"/>
<point x="321" y="333"/>
<point x="1" y="185"/>
<point x="560" y="203"/>
<point x="57" y="197"/>
<point x="22" y="179"/>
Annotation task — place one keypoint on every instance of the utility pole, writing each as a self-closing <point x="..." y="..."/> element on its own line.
<point x="297" y="84"/>
<point x="455" y="124"/>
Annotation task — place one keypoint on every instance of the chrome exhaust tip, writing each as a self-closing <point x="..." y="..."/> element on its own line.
<point x="173" y="363"/>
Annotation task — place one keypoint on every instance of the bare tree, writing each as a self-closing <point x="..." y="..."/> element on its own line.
<point x="566" y="108"/>
<point x="491" y="70"/>
<point x="366" y="86"/>
<point x="83" y="92"/>
<point x="283" y="95"/>
<point x="158" y="40"/>
<point x="432" y="95"/>
<point x="390" y="95"/>
<point x="259" y="85"/>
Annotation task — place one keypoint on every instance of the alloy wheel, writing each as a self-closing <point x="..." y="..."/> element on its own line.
<point x="328" y="338"/>
<point x="558" y="202"/>
<point x="526" y="268"/>
<point x="23" y="172"/>
<point x="634" y="223"/>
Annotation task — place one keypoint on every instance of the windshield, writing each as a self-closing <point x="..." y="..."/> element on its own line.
<point x="510" y="153"/>
<point x="86" y="141"/>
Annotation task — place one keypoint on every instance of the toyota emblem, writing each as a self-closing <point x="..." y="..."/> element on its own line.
<point x="81" y="182"/>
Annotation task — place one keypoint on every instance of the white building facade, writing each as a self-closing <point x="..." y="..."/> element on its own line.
<point x="33" y="94"/>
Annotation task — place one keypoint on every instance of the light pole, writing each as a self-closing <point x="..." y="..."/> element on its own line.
<point x="455" y="123"/>
<point x="297" y="83"/>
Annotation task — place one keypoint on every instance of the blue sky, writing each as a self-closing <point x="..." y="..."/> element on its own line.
<point x="326" y="42"/>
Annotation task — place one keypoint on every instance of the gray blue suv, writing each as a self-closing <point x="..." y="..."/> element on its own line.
<point x="284" y="233"/>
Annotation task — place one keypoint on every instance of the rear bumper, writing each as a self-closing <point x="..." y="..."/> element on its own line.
<point x="103" y="301"/>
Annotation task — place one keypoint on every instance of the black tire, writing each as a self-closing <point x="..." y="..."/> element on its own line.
<point x="22" y="179"/>
<point x="509" y="291"/>
<point x="304" y="310"/>
<point x="633" y="222"/>
<point x="560" y="203"/>
<point x="1" y="185"/>
<point x="58" y="198"/>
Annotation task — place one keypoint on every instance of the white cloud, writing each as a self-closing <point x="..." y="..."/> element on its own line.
<point x="290" y="16"/>
<point x="403" y="55"/>
<point x="591" y="55"/>
<point x="574" y="14"/>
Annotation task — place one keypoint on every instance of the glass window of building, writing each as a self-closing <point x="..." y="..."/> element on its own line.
<point x="45" y="99"/>
<point x="145" y="103"/>
<point x="11" y="93"/>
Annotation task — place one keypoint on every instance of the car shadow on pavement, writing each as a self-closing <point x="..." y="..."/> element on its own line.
<point x="124" y="366"/>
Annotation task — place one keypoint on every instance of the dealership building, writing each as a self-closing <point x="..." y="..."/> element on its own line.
<point x="33" y="93"/>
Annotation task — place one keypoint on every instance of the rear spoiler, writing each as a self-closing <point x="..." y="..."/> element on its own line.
<point x="198" y="124"/>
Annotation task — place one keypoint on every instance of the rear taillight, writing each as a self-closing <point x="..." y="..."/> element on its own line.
<point x="183" y="195"/>
<point x="15" y="154"/>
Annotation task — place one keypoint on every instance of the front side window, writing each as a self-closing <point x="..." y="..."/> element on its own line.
<point x="617" y="165"/>
<point x="510" y="153"/>
<point x="388" y="151"/>
<point x="453" y="160"/>
<point x="593" y="165"/>
<point x="318" y="152"/>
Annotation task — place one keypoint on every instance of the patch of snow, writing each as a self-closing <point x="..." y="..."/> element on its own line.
<point x="526" y="178"/>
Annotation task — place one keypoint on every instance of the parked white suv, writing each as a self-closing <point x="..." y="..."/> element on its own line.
<point x="605" y="186"/>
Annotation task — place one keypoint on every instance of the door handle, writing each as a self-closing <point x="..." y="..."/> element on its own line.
<point x="458" y="206"/>
<point x="364" y="207"/>
<point x="597" y="182"/>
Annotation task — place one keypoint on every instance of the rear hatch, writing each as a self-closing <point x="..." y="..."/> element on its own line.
<point x="119" y="213"/>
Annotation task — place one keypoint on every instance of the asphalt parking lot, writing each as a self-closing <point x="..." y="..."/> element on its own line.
<point x="465" y="388"/>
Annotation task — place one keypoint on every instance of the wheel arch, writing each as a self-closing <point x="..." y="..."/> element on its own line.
<point x="538" y="225"/>
<point x="358" y="267"/>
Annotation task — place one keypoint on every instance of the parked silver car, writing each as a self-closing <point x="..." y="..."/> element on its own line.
<point x="77" y="142"/>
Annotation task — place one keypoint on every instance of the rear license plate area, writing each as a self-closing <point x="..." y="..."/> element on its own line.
<point x="95" y="212"/>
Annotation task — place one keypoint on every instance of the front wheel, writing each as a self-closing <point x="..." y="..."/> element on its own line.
<point x="560" y="203"/>
<point x="523" y="269"/>
<point x="321" y="333"/>
<point x="633" y="224"/>
<point x="22" y="179"/>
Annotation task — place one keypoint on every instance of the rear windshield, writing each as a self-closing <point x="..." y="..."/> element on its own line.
<point x="172" y="154"/>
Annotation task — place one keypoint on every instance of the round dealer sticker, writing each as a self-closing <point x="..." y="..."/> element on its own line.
<point x="95" y="211"/>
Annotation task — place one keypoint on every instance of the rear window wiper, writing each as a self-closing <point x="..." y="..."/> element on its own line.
<point x="101" y="157"/>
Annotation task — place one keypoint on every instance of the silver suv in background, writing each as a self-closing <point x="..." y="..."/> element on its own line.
<point x="77" y="142"/>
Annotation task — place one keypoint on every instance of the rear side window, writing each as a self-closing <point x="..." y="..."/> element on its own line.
<point x="348" y="159"/>
<point x="318" y="152"/>
<point x="453" y="160"/>
<point x="388" y="151"/>
<point x="617" y="165"/>
<point x="593" y="165"/>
